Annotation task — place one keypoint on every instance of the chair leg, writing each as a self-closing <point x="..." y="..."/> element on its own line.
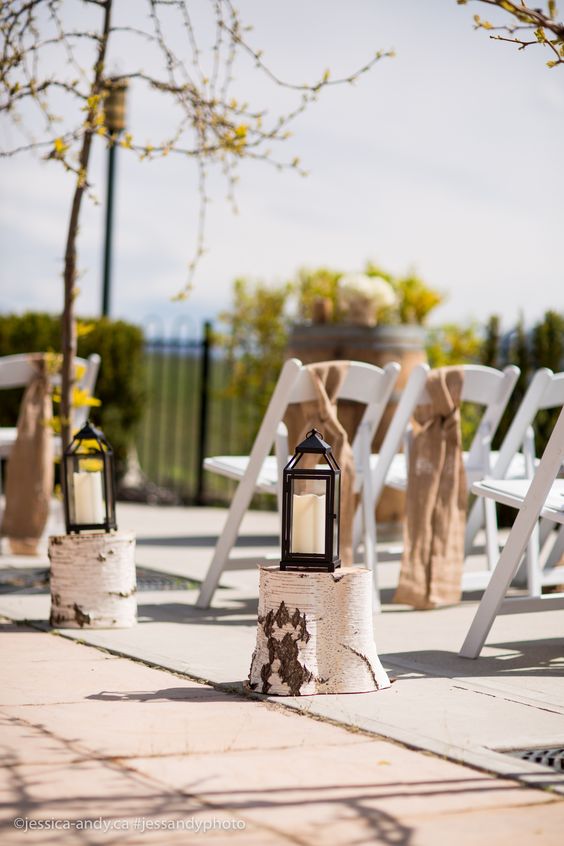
<point x="358" y="530"/>
<point x="521" y="532"/>
<point x="474" y="523"/>
<point x="492" y="544"/>
<point x="371" y="553"/>
<point x="225" y="543"/>
<point x="545" y="530"/>
<point x="368" y="507"/>
<point x="532" y="557"/>
<point x="491" y="600"/>
<point x="245" y="490"/>
<point x="557" y="551"/>
<point x="529" y="574"/>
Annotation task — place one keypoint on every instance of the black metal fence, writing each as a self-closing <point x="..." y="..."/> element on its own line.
<point x="189" y="414"/>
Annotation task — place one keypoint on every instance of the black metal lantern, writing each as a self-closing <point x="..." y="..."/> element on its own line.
<point x="89" y="482"/>
<point x="310" y="509"/>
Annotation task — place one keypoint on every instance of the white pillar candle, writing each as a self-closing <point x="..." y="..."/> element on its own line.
<point x="88" y="498"/>
<point x="308" y="523"/>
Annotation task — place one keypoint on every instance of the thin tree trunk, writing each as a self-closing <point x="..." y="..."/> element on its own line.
<point x="68" y="323"/>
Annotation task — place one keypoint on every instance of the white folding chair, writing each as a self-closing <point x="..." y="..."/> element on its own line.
<point x="262" y="472"/>
<point x="16" y="372"/>
<point x="541" y="497"/>
<point x="490" y="388"/>
<point x="516" y="459"/>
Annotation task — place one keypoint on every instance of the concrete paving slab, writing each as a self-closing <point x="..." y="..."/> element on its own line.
<point x="538" y="826"/>
<point x="373" y="771"/>
<point x="374" y="792"/>
<point x="512" y="697"/>
<point x="459" y="713"/>
<point x="174" y="727"/>
<point x="57" y="803"/>
<point x="41" y="748"/>
<point x="321" y="785"/>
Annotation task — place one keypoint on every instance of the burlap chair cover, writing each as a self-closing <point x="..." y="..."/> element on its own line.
<point x="29" y="473"/>
<point x="431" y="568"/>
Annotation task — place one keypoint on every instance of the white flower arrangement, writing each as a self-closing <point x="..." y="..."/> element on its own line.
<point x="361" y="297"/>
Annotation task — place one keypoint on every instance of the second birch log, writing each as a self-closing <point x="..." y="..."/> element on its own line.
<point x="93" y="582"/>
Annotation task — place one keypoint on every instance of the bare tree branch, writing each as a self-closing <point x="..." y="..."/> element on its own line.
<point x="542" y="24"/>
<point x="211" y="126"/>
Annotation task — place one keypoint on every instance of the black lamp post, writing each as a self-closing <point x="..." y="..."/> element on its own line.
<point x="114" y="109"/>
<point x="89" y="482"/>
<point x="310" y="509"/>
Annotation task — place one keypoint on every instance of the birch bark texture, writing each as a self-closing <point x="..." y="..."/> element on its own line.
<point x="93" y="582"/>
<point x="315" y="634"/>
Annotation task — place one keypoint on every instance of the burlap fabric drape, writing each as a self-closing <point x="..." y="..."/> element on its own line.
<point x="321" y="414"/>
<point x="431" y="568"/>
<point x="29" y="473"/>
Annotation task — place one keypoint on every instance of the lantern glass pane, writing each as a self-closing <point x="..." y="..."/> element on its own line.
<point x="309" y="504"/>
<point x="88" y="501"/>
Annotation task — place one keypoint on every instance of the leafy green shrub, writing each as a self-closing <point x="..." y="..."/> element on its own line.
<point x="120" y="380"/>
<point x="452" y="344"/>
<point x="255" y="339"/>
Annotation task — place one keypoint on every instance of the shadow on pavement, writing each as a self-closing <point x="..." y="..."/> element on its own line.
<point x="242" y="613"/>
<point x="528" y="658"/>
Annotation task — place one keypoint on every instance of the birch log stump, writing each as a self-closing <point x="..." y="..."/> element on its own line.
<point x="93" y="581"/>
<point x="315" y="635"/>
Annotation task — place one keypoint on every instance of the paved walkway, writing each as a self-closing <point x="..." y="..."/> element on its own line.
<point x="97" y="737"/>
<point x="113" y="751"/>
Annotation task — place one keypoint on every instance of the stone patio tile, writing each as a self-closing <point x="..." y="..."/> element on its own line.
<point x="41" y="684"/>
<point x="373" y="771"/>
<point x="371" y="792"/>
<point x="125" y="741"/>
<point x="181" y="719"/>
<point x="23" y="743"/>
<point x="22" y="642"/>
<point x="539" y="825"/>
<point x="115" y="797"/>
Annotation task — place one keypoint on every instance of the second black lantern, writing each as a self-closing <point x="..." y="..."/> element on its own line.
<point x="89" y="482"/>
<point x="310" y="509"/>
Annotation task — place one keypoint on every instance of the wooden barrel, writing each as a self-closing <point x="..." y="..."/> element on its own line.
<point x="375" y="345"/>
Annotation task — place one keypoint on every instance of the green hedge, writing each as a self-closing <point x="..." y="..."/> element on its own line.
<point x="120" y="380"/>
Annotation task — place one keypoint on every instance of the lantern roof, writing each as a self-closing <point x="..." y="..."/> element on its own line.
<point x="89" y="433"/>
<point x="314" y="442"/>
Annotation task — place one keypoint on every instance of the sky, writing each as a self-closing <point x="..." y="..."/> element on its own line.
<point x="447" y="159"/>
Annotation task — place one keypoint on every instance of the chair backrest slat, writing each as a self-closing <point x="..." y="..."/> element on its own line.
<point x="553" y="395"/>
<point x="482" y="385"/>
<point x="17" y="370"/>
